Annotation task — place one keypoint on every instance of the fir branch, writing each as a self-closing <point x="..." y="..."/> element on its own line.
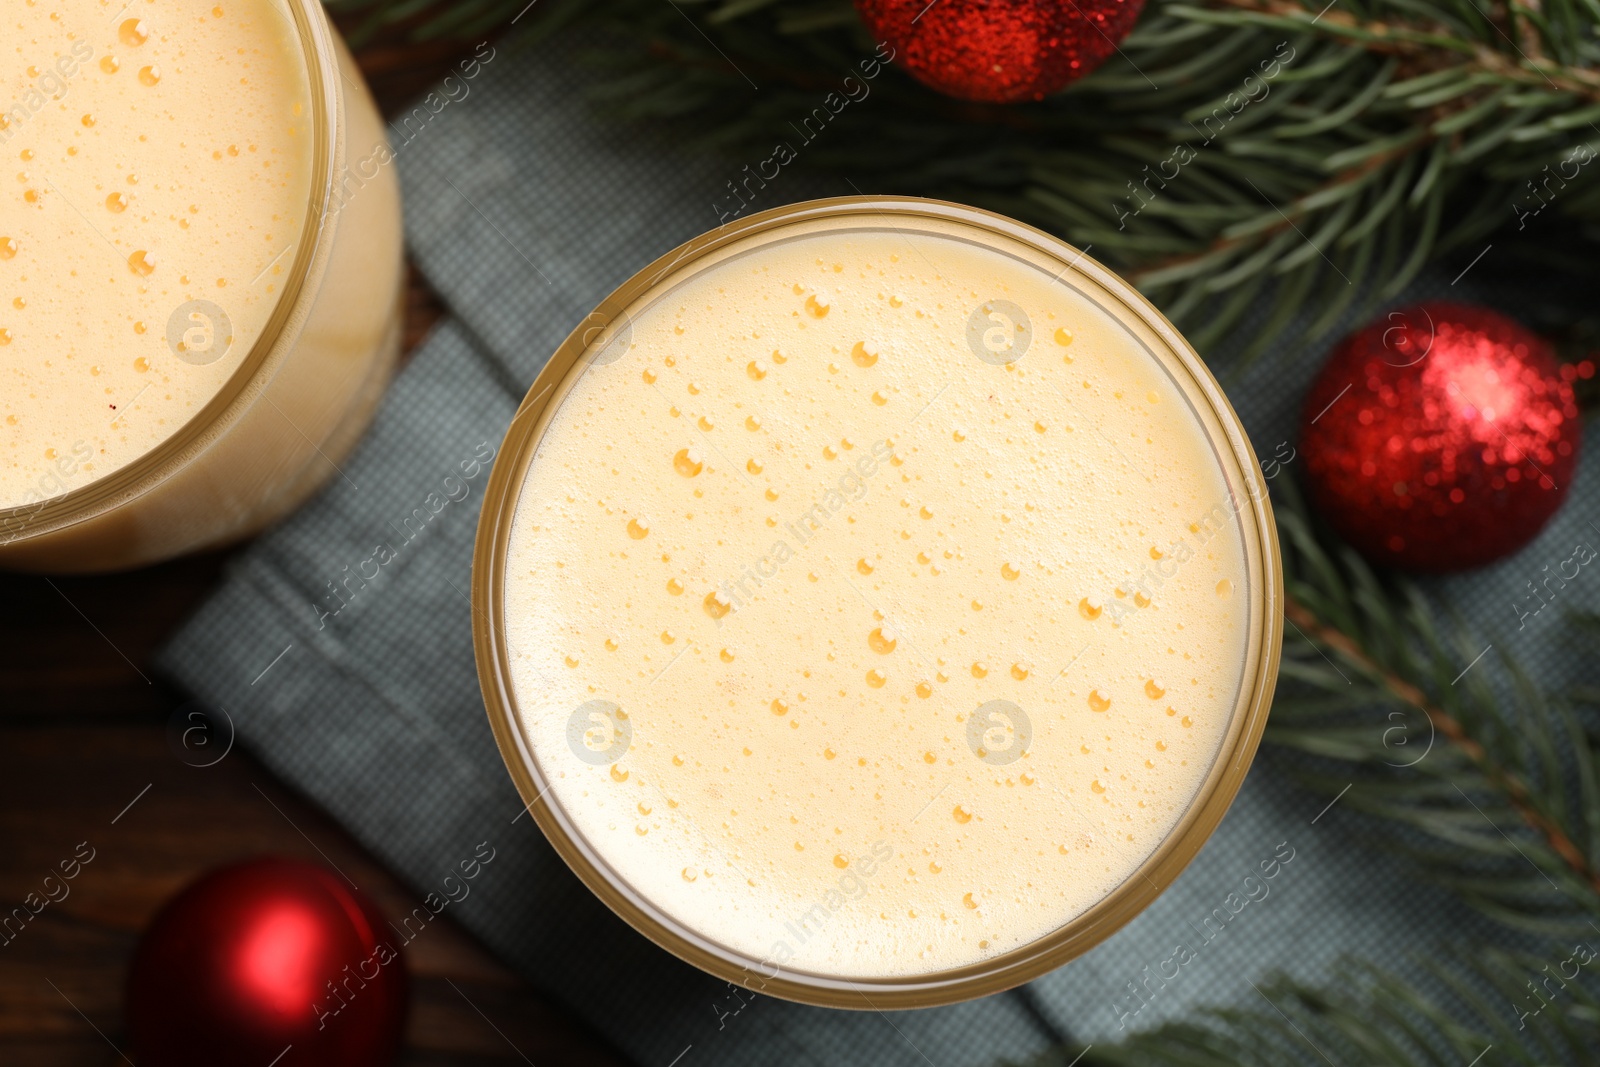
<point x="1516" y="792"/>
<point x="1369" y="1015"/>
<point x="1500" y="806"/>
<point x="1233" y="148"/>
<point x="1429" y="45"/>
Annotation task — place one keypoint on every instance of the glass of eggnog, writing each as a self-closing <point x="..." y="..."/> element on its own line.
<point x="199" y="274"/>
<point x="877" y="601"/>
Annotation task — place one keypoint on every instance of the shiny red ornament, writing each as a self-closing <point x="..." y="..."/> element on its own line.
<point x="267" y="958"/>
<point x="1441" y="437"/>
<point x="1001" y="51"/>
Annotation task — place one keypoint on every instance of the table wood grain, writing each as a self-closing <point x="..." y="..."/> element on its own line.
<point x="84" y="756"/>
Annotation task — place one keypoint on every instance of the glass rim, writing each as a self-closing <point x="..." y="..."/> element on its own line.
<point x="144" y="473"/>
<point x="1258" y="669"/>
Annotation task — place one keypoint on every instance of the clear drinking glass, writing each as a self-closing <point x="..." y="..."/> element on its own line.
<point x="299" y="399"/>
<point x="537" y="768"/>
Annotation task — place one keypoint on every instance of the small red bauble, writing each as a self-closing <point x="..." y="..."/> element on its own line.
<point x="262" y="957"/>
<point x="1000" y="51"/>
<point x="1440" y="437"/>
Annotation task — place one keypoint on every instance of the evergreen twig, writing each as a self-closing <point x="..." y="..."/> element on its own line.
<point x="1515" y="791"/>
<point x="1198" y="161"/>
<point x="1368" y="1015"/>
<point x="1502" y="803"/>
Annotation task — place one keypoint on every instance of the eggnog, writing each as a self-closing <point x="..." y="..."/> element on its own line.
<point x="159" y="232"/>
<point x="876" y="603"/>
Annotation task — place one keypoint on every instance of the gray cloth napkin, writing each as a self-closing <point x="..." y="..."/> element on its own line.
<point x="524" y="209"/>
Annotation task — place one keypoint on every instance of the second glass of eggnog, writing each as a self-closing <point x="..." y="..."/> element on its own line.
<point x="199" y="274"/>
<point x="878" y="602"/>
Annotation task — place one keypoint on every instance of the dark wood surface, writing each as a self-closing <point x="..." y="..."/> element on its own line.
<point x="83" y="734"/>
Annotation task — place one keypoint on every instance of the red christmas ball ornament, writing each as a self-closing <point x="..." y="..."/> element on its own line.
<point x="1441" y="437"/>
<point x="1000" y="51"/>
<point x="262" y="959"/>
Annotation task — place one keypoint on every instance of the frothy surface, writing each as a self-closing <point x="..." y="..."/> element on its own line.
<point x="153" y="156"/>
<point x="849" y="643"/>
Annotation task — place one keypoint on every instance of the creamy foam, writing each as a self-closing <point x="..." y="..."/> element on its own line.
<point x="851" y="638"/>
<point x="155" y="157"/>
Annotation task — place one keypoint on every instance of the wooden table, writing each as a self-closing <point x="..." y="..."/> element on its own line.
<point x="83" y="735"/>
